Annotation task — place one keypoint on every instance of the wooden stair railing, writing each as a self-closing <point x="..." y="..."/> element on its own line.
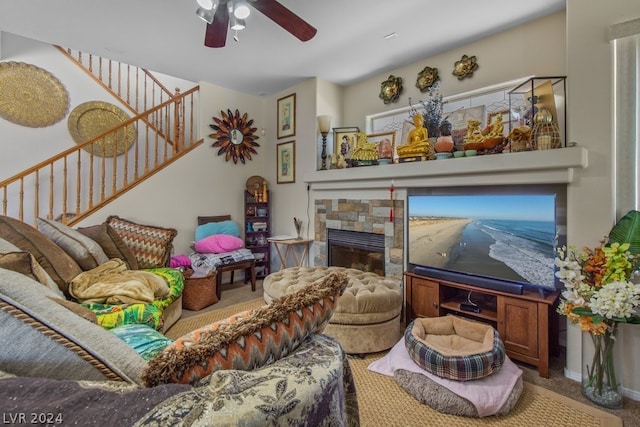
<point x="82" y="179"/>
<point x="137" y="88"/>
<point x="134" y="86"/>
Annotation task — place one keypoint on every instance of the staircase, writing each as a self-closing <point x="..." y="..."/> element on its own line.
<point x="80" y="180"/>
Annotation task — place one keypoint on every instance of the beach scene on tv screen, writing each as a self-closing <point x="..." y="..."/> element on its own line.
<point x="503" y="236"/>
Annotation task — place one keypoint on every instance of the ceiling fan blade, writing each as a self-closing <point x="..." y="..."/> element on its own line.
<point x="285" y="18"/>
<point x="216" y="34"/>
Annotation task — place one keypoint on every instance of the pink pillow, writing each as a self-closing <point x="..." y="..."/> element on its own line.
<point x="179" y="261"/>
<point x="218" y="243"/>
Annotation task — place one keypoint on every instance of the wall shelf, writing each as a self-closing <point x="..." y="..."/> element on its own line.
<point x="528" y="167"/>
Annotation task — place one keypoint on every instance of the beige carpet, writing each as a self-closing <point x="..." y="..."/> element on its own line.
<point x="383" y="403"/>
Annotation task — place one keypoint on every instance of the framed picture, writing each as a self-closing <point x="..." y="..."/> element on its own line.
<point x="344" y="141"/>
<point x="386" y="142"/>
<point x="286" y="155"/>
<point x="287" y="116"/>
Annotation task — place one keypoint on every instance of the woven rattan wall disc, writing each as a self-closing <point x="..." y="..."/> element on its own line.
<point x="31" y="96"/>
<point x="92" y="118"/>
<point x="254" y="183"/>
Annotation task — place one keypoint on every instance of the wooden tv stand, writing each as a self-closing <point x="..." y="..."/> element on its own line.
<point x="527" y="323"/>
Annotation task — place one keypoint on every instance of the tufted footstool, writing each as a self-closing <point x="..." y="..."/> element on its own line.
<point x="367" y="316"/>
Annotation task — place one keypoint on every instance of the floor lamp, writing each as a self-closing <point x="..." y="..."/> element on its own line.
<point x="324" y="125"/>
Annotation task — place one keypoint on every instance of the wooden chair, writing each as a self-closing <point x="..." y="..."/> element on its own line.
<point x="249" y="266"/>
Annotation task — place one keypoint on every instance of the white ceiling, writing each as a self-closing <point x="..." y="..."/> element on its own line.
<point x="166" y="36"/>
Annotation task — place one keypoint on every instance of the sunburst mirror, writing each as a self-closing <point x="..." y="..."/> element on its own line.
<point x="234" y="136"/>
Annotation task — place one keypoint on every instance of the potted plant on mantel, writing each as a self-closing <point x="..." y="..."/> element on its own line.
<point x="433" y="109"/>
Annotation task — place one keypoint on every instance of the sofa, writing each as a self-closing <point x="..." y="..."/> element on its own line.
<point x="268" y="366"/>
<point x="117" y="269"/>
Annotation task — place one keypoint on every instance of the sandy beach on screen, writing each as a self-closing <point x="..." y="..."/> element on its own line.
<point x="433" y="238"/>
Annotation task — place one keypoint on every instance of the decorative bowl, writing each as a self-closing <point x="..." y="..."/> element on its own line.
<point x="441" y="156"/>
<point x="458" y="154"/>
<point x="470" y="152"/>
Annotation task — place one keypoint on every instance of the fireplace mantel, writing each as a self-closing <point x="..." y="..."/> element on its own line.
<point x="530" y="167"/>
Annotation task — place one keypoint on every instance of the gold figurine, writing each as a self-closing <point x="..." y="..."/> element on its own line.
<point x="364" y="151"/>
<point x="417" y="144"/>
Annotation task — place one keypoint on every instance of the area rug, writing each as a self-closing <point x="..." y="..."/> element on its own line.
<point x="383" y="403"/>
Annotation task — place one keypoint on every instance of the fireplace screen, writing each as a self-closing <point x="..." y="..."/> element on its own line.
<point x="356" y="249"/>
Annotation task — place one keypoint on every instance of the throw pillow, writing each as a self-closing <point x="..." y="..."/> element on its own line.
<point x="180" y="260"/>
<point x="145" y="340"/>
<point x="56" y="262"/>
<point x="44" y="339"/>
<point x="249" y="340"/>
<point x="218" y="244"/>
<point x="151" y="245"/>
<point x="25" y="263"/>
<point x="222" y="227"/>
<point x="111" y="243"/>
<point x="85" y="251"/>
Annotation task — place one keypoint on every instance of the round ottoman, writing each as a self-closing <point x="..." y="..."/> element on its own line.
<point x="367" y="316"/>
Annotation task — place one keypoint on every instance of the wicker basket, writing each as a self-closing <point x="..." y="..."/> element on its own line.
<point x="199" y="292"/>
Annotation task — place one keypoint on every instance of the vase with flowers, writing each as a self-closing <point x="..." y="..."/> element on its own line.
<point x="599" y="293"/>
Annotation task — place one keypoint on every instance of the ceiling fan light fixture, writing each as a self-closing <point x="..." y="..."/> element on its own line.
<point x="241" y="9"/>
<point x="206" y="15"/>
<point x="205" y="4"/>
<point x="237" y="24"/>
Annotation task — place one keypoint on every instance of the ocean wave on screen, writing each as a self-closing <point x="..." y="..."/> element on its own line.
<point x="530" y="258"/>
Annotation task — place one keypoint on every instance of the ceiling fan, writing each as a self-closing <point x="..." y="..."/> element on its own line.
<point x="223" y="15"/>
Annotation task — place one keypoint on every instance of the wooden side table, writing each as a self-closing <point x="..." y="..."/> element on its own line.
<point x="290" y="245"/>
<point x="249" y="267"/>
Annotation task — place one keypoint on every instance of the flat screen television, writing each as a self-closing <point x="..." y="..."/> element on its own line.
<point x="500" y="237"/>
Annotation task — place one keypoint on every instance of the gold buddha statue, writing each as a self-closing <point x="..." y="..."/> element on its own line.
<point x="364" y="151"/>
<point x="417" y="144"/>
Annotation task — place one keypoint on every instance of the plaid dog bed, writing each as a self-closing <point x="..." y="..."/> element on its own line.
<point x="461" y="368"/>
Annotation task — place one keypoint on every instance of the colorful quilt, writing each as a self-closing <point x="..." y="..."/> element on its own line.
<point x="111" y="316"/>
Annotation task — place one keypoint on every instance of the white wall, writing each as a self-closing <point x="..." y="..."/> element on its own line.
<point x="24" y="146"/>
<point x="291" y="199"/>
<point x="203" y="183"/>
<point x="536" y="48"/>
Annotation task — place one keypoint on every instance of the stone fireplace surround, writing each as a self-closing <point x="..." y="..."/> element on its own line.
<point x="364" y="215"/>
<point x="337" y="204"/>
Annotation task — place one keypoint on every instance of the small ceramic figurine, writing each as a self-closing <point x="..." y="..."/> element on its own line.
<point x="496" y="128"/>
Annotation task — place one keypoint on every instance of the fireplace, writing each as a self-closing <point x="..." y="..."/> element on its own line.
<point x="356" y="249"/>
<point x="365" y="230"/>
